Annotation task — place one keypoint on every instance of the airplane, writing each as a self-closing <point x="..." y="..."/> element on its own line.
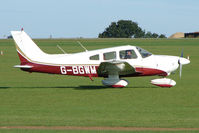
<point x="111" y="63"/>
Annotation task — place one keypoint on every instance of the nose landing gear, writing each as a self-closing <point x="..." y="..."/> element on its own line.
<point x="163" y="82"/>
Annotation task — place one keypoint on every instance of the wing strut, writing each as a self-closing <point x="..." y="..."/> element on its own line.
<point x="82" y="45"/>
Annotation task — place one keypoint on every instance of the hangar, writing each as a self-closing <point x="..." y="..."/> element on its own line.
<point x="191" y="35"/>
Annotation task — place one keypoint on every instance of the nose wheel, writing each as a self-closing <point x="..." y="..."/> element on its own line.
<point x="163" y="82"/>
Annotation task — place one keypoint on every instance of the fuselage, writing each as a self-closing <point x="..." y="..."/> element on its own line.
<point x="87" y="63"/>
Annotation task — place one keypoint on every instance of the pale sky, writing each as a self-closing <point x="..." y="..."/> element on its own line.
<point x="88" y="18"/>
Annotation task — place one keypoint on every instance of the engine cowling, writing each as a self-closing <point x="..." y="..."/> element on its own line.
<point x="115" y="83"/>
<point x="163" y="82"/>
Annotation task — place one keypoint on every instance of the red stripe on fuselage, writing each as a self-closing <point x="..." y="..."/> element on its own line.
<point x="150" y="71"/>
<point x="76" y="70"/>
<point x="85" y="70"/>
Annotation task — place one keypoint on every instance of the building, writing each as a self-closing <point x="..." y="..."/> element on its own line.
<point x="177" y="35"/>
<point x="191" y="35"/>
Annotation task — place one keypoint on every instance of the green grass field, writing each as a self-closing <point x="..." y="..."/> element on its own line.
<point x="80" y="131"/>
<point x="34" y="99"/>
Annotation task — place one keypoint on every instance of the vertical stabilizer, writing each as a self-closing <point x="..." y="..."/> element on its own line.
<point x="26" y="47"/>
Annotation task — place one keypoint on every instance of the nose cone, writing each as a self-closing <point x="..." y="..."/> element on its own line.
<point x="184" y="61"/>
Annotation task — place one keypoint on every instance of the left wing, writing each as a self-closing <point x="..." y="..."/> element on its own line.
<point x="115" y="68"/>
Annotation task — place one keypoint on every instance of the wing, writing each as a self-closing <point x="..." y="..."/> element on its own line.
<point x="115" y="68"/>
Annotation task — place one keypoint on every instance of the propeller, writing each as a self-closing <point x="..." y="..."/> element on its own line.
<point x="180" y="63"/>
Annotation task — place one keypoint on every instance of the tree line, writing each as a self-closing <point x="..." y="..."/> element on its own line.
<point x="127" y="29"/>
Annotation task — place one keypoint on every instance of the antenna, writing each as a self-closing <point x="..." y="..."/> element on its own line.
<point x="61" y="49"/>
<point x="82" y="46"/>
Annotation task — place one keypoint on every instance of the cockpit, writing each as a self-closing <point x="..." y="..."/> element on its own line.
<point x="127" y="54"/>
<point x="122" y="54"/>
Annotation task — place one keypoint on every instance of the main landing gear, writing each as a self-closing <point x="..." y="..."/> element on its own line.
<point x="114" y="81"/>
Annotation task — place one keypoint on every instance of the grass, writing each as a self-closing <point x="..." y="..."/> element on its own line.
<point x="84" y="131"/>
<point x="52" y="100"/>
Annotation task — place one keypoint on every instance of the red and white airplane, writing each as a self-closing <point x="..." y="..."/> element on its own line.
<point x="110" y="63"/>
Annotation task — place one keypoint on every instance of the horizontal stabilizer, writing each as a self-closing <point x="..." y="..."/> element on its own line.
<point x="23" y="66"/>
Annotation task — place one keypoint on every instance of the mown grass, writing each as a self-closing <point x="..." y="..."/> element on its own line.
<point x="84" y="131"/>
<point x="53" y="100"/>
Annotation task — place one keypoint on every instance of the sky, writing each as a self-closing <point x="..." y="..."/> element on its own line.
<point x="88" y="18"/>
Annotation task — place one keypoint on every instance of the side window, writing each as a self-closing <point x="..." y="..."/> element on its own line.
<point x="109" y="55"/>
<point x="94" y="57"/>
<point x="128" y="54"/>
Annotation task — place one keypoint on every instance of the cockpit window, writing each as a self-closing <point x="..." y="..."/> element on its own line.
<point x="109" y="55"/>
<point x="94" y="57"/>
<point x="128" y="54"/>
<point x="143" y="52"/>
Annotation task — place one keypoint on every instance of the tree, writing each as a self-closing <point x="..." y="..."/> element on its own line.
<point x="127" y="29"/>
<point x="139" y="33"/>
<point x="122" y="29"/>
<point x="154" y="35"/>
<point x="162" y="36"/>
<point x="148" y="35"/>
<point x="9" y="37"/>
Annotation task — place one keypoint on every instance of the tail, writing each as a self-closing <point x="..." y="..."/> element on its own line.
<point x="27" y="50"/>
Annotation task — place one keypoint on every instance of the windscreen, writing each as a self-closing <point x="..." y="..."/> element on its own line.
<point x="143" y="52"/>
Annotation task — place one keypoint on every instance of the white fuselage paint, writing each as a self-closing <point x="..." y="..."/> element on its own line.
<point x="81" y="60"/>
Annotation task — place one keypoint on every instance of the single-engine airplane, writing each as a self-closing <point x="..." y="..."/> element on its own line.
<point x="110" y="63"/>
